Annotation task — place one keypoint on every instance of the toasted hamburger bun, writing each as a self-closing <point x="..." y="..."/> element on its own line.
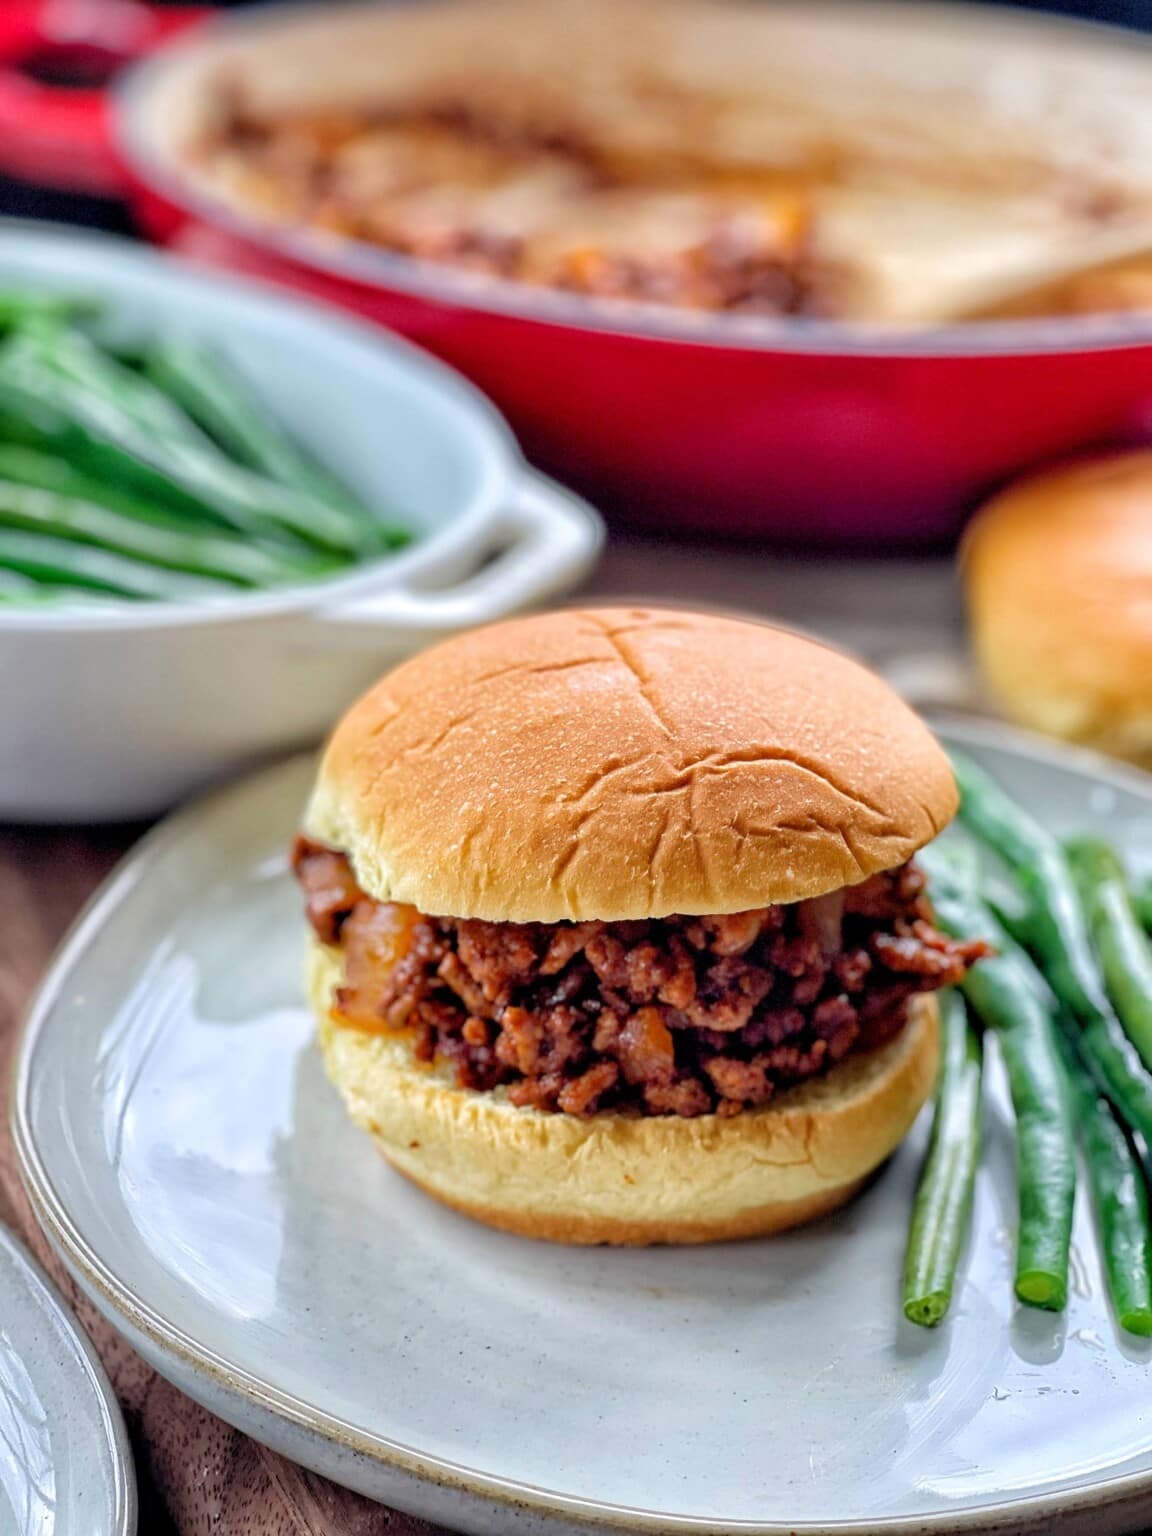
<point x="626" y="763"/>
<point x="1058" y="576"/>
<point x="630" y="1180"/>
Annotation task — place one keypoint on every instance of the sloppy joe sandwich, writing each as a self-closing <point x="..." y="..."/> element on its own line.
<point x="617" y="931"/>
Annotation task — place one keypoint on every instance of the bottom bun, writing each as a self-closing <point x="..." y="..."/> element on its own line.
<point x="631" y="1180"/>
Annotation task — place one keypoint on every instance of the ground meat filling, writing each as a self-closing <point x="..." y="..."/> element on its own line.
<point x="673" y="1016"/>
<point x="441" y="182"/>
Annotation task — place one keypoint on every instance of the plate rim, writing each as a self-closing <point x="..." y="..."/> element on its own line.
<point x="125" y="1513"/>
<point x="1039" y="1512"/>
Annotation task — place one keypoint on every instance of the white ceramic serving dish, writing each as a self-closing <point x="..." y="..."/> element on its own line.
<point x="119" y="712"/>
<point x="199" y="1175"/>
<point x="65" y="1464"/>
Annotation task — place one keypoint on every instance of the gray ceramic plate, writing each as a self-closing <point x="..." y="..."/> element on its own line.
<point x="198" y="1174"/>
<point x="65" y="1467"/>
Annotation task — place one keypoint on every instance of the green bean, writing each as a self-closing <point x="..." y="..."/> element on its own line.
<point x="1119" y="1198"/>
<point x="18" y="306"/>
<point x="37" y="595"/>
<point x="12" y="584"/>
<point x="214" y="397"/>
<point x="1144" y="905"/>
<point x="1056" y="923"/>
<point x="170" y="544"/>
<point x="1057" y="933"/>
<point x="234" y="422"/>
<point x="1121" y="944"/>
<point x="18" y="591"/>
<point x="1117" y="1067"/>
<point x="1007" y="901"/>
<point x="201" y="383"/>
<point x="62" y="394"/>
<point x="46" y="472"/>
<point x="1007" y="994"/>
<point x="212" y="394"/>
<point x="78" y="359"/>
<point x="59" y="562"/>
<point x="944" y="1197"/>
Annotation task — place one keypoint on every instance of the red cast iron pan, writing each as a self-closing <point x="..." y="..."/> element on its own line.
<point x="795" y="431"/>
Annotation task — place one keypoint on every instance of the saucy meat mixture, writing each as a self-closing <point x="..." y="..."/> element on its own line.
<point x="679" y="1015"/>
<point x="441" y="184"/>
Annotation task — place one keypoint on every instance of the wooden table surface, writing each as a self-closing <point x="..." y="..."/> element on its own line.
<point x="198" y="1480"/>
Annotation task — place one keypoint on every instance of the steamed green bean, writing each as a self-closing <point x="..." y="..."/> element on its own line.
<point x="1122" y="946"/>
<point x="944" y="1197"/>
<point x="1056" y="926"/>
<point x="197" y="379"/>
<point x="1119" y="1198"/>
<point x="59" y="562"/>
<point x="1009" y="996"/>
<point x="176" y="548"/>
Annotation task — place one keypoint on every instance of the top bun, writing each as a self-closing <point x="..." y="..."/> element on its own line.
<point x="623" y="763"/>
<point x="1058" y="573"/>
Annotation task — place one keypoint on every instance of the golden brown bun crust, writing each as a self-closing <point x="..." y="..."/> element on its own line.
<point x="618" y="1179"/>
<point x="589" y="1231"/>
<point x="1058" y="572"/>
<point x="626" y="763"/>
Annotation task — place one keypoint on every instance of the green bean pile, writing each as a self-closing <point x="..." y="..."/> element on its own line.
<point x="1068" y="997"/>
<point x="155" y="475"/>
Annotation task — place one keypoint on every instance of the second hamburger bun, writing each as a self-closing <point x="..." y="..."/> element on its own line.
<point x="623" y="763"/>
<point x="1058" y="575"/>
<point x="629" y="1179"/>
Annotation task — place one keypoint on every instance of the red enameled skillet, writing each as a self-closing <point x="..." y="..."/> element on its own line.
<point x="803" y="431"/>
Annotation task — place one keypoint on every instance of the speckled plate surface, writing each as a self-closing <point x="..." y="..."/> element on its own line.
<point x="65" y="1467"/>
<point x="190" y="1161"/>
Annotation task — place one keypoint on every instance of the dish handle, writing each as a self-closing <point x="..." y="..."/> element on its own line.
<point x="59" y="135"/>
<point x="545" y="541"/>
